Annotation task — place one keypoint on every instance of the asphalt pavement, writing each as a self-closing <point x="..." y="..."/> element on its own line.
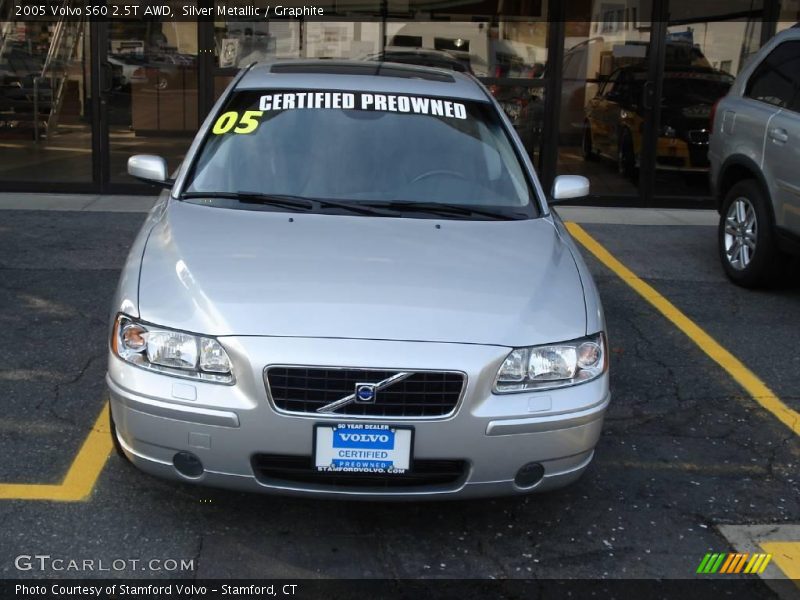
<point x="686" y="455"/>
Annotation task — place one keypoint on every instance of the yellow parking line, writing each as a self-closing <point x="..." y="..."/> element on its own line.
<point x="743" y="376"/>
<point x="787" y="556"/>
<point x="82" y="474"/>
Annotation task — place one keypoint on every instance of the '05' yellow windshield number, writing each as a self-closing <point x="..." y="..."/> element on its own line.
<point x="247" y="123"/>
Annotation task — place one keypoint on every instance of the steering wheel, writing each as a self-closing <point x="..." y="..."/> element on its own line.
<point x="438" y="172"/>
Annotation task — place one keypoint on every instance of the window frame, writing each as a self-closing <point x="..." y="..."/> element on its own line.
<point x="793" y="102"/>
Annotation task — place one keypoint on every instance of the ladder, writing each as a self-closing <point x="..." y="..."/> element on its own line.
<point x="66" y="38"/>
<point x="6" y="23"/>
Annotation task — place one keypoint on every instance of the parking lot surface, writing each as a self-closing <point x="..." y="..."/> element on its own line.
<point x="687" y="458"/>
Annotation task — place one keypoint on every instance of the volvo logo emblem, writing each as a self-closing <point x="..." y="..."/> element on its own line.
<point x="366" y="393"/>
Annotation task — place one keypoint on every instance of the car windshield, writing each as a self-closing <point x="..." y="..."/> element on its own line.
<point x="366" y="149"/>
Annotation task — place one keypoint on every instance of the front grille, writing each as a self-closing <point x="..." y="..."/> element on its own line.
<point x="306" y="389"/>
<point x="276" y="468"/>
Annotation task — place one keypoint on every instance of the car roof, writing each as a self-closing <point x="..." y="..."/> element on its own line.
<point x="359" y="75"/>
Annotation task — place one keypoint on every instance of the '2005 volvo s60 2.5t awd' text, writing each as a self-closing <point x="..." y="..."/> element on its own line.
<point x="354" y="287"/>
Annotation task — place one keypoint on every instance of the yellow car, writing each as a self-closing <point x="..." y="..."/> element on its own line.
<point x="615" y="118"/>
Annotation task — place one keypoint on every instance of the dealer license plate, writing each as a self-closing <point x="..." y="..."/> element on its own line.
<point x="362" y="448"/>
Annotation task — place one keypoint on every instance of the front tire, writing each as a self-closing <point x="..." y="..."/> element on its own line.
<point x="745" y="237"/>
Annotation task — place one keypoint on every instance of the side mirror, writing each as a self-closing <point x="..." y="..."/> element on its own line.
<point x="566" y="187"/>
<point x="150" y="169"/>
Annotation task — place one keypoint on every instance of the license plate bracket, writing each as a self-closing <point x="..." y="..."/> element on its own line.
<point x="363" y="448"/>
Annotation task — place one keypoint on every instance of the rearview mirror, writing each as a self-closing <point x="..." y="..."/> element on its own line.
<point x="150" y="169"/>
<point x="566" y="187"/>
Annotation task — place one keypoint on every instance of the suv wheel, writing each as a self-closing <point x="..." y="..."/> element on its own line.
<point x="746" y="240"/>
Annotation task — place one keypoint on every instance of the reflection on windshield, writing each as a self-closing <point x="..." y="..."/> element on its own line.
<point x="400" y="149"/>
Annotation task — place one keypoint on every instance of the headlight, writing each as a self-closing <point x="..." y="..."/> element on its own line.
<point x="169" y="351"/>
<point x="553" y="366"/>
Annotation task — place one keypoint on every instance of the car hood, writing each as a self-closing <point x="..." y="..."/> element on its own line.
<point x="241" y="272"/>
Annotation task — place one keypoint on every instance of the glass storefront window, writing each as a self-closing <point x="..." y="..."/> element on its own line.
<point x="150" y="70"/>
<point x="500" y="49"/>
<point x="239" y="42"/>
<point x="601" y="117"/>
<point x="153" y="99"/>
<point x="509" y="55"/>
<point x="605" y="103"/>
<point x="45" y="101"/>
<point x="720" y="39"/>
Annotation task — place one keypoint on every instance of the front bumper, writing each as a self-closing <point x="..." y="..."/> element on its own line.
<point x="225" y="426"/>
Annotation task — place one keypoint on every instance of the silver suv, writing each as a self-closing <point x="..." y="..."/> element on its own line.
<point x="755" y="164"/>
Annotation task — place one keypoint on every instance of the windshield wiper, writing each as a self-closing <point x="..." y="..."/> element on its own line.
<point x="356" y="207"/>
<point x="292" y="202"/>
<point x="441" y="208"/>
<point x="281" y="200"/>
<point x="363" y="208"/>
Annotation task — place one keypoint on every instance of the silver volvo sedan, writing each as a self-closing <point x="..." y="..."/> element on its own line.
<point x="354" y="287"/>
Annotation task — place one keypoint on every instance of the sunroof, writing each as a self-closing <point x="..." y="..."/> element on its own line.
<point x="367" y="68"/>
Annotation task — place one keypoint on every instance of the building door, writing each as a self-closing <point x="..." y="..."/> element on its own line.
<point x="46" y="103"/>
<point x="149" y="93"/>
<point x="702" y="49"/>
<point x="605" y="128"/>
<point x="639" y="81"/>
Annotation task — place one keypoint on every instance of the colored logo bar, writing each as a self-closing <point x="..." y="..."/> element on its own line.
<point x="733" y="562"/>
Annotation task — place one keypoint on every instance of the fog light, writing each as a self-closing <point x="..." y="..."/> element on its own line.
<point x="187" y="464"/>
<point x="529" y="475"/>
